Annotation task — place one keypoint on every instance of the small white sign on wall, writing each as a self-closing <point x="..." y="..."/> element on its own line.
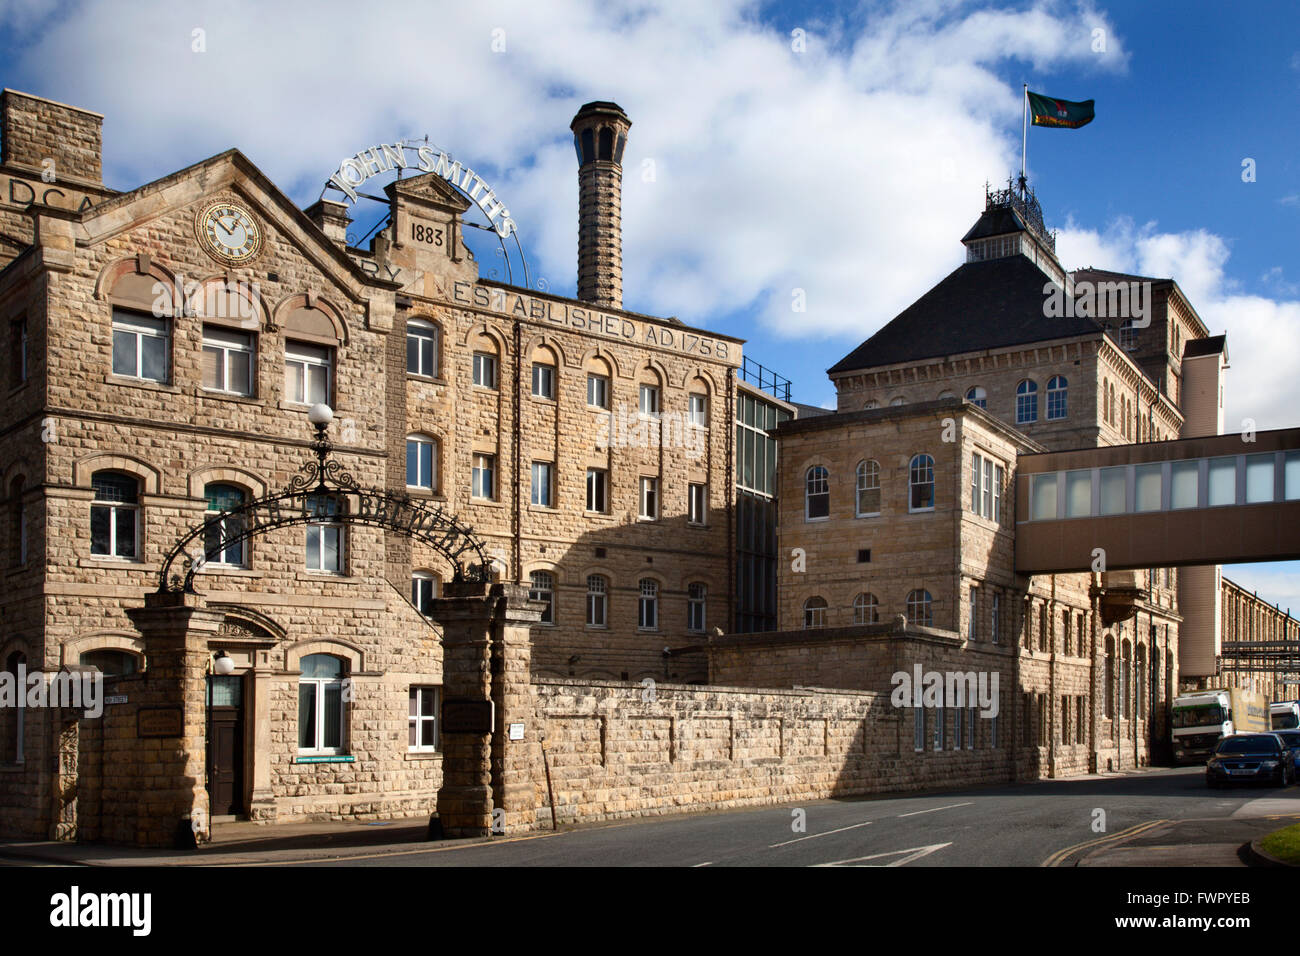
<point x="516" y="731"/>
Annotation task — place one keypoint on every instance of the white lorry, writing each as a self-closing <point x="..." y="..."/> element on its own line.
<point x="1285" y="714"/>
<point x="1202" y="718"/>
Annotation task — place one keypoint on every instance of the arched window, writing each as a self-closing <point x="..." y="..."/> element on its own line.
<point x="1026" y="402"/>
<point x="696" y="596"/>
<point x="485" y="363"/>
<point x="217" y="547"/>
<point x="544" y="365"/>
<point x="814" y="613"/>
<point x="12" y="719"/>
<point x="422" y="348"/>
<point x="868" y="487"/>
<point x="606" y="141"/>
<point x="978" y="396"/>
<point x="1110" y="676"/>
<point x="320" y="705"/>
<point x="1105" y="401"/>
<point x="1125" y="693"/>
<point x="897" y="400"/>
<point x="648" y="605"/>
<point x="817" y="493"/>
<point x="871" y="403"/>
<point x="1139" y="679"/>
<point x="920" y="483"/>
<point x="946" y="394"/>
<point x="424" y="588"/>
<point x="597" y="598"/>
<point x="920" y="608"/>
<point x="111" y="663"/>
<point x="422" y="462"/>
<point x="866" y="609"/>
<point x="115" y="515"/>
<point x="1057" y="397"/>
<point x="542" y="588"/>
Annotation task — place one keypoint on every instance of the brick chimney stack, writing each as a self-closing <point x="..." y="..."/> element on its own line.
<point x="599" y="135"/>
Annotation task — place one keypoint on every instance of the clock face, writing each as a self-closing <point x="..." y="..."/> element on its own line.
<point x="229" y="232"/>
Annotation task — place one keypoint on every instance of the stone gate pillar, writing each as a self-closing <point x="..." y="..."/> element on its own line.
<point x="486" y="658"/>
<point x="170" y="776"/>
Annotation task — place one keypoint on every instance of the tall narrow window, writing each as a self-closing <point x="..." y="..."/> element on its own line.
<point x="227" y="361"/>
<point x="542" y="588"/>
<point x="920" y="484"/>
<point x="483" y="477"/>
<point x="814" y="613"/>
<point x="648" y="605"/>
<point x="422" y="348"/>
<point x="222" y="526"/>
<point x="18" y="519"/>
<point x="649" y="499"/>
<point x="697" y="503"/>
<point x="543" y="478"/>
<point x="598" y="490"/>
<point x="817" y="493"/>
<point x="920" y="608"/>
<point x="598" y="391"/>
<point x="544" y="381"/>
<point x="114" y="515"/>
<point x="868" y="488"/>
<point x="993" y="617"/>
<point x="1110" y="677"/>
<point x="695" y="602"/>
<point x="325" y="540"/>
<point x="485" y="370"/>
<point x="422" y="719"/>
<point x="307" y="373"/>
<point x="320" y="705"/>
<point x="1026" y="402"/>
<point x="17" y="352"/>
<point x="421" y="462"/>
<point x="699" y="410"/>
<point x="597" y="597"/>
<point x="866" y="609"/>
<point x="424" y="588"/>
<point x="141" y="346"/>
<point x="1057" y="397"/>
<point x="972" y="627"/>
<point x="649" y="401"/>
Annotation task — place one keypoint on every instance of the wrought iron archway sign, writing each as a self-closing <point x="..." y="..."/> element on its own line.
<point x="313" y="496"/>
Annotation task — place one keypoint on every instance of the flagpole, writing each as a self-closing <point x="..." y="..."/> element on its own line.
<point x="1024" y="141"/>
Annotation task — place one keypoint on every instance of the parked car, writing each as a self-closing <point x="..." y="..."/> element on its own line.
<point x="1250" y="758"/>
<point x="1291" y="739"/>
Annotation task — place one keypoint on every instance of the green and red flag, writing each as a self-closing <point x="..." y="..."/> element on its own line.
<point x="1063" y="113"/>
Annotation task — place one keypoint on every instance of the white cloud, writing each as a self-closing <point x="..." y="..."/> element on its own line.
<point x="846" y="168"/>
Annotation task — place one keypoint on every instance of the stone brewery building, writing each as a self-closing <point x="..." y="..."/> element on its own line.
<point x="532" y="532"/>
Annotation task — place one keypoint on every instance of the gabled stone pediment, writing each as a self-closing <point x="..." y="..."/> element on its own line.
<point x="430" y="188"/>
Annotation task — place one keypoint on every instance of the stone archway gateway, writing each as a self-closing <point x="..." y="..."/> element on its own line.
<point x="486" y="786"/>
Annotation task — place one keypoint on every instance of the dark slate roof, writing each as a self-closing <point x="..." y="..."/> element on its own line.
<point x="996" y="222"/>
<point x="1211" y="346"/>
<point x="980" y="305"/>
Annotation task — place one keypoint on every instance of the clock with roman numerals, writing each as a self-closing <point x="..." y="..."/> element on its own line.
<point x="229" y="232"/>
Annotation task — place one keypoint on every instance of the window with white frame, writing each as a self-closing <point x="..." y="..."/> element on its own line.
<point x="649" y="400"/>
<point x="421" y="462"/>
<point x="543" y="492"/>
<point x="866" y="609"/>
<point x="940" y="720"/>
<point x="1127" y="335"/>
<point x="648" y="605"/>
<point x="986" y="487"/>
<point x="227" y="361"/>
<point x="325" y="535"/>
<point x="817" y="493"/>
<point x="141" y="346"/>
<point x="814" y="612"/>
<point x="541" y="587"/>
<point x="696" y="597"/>
<point x="422" y="348"/>
<point x="920" y="483"/>
<point x="597" y="600"/>
<point x="649" y="498"/>
<point x="697" y="503"/>
<point x="483" y="477"/>
<point x="1026" y="402"/>
<point x="220" y="526"/>
<point x="307" y="373"/>
<point x="699" y="410"/>
<point x="485" y="370"/>
<point x="422" y="719"/>
<point x="598" y="390"/>
<point x="920" y="608"/>
<point x="115" y="515"/>
<point x="543" y="381"/>
<point x="320" y="705"/>
<point x="868" y="488"/>
<point x="977" y="395"/>
<point x="1057" y="397"/>
<point x="598" y="490"/>
<point x="424" y="589"/>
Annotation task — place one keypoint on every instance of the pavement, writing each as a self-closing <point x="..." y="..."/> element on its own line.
<point x="1157" y="817"/>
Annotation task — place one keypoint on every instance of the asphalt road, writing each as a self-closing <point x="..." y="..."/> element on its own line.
<point x="1020" y="825"/>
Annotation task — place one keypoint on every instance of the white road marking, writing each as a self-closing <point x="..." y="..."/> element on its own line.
<point x="915" y="852"/>
<point x="813" y="836"/>
<point x="698" y="865"/>
<point x="936" y="809"/>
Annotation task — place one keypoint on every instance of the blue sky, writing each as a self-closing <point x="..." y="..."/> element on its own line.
<point x="848" y="169"/>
